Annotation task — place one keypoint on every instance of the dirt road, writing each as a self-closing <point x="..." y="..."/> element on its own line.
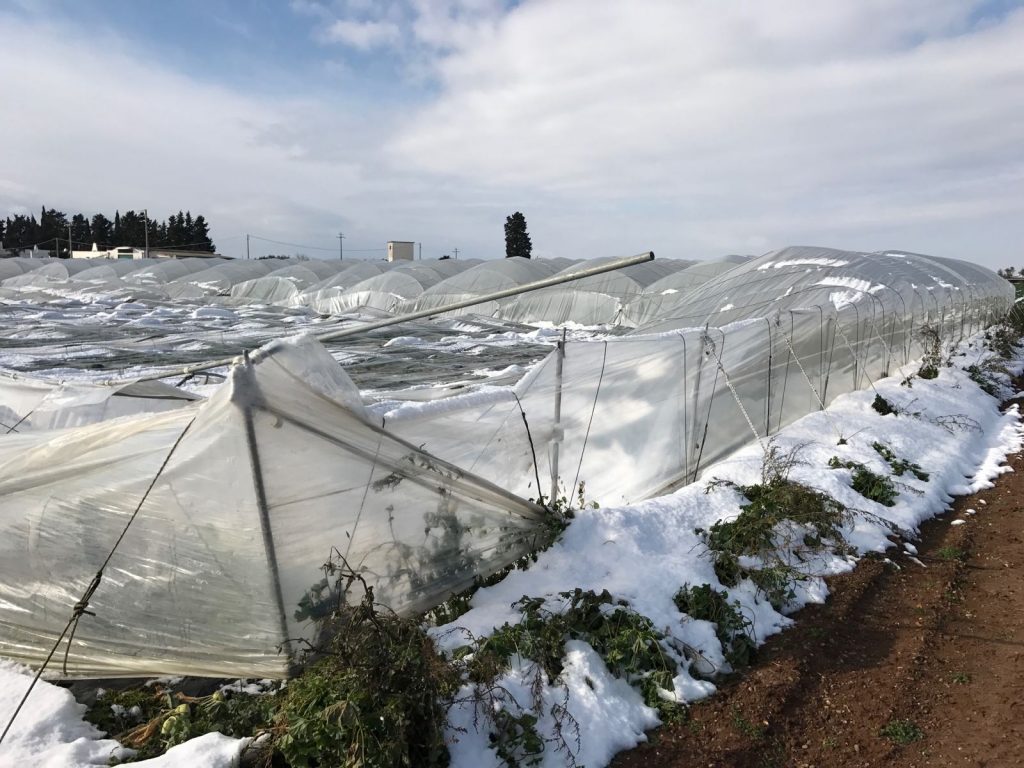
<point x="907" y="665"/>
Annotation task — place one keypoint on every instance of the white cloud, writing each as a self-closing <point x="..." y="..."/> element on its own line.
<point x="768" y="121"/>
<point x="363" y="35"/>
<point x="693" y="128"/>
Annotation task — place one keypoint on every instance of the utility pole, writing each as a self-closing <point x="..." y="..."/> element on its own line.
<point x="421" y="251"/>
<point x="71" y="246"/>
<point x="247" y="246"/>
<point x="145" y="212"/>
<point x="341" y="246"/>
<point x="456" y="252"/>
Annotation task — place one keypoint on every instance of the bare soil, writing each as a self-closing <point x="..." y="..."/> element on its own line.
<point x="906" y="665"/>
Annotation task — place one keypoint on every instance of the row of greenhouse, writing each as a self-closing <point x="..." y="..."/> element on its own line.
<point x="631" y="297"/>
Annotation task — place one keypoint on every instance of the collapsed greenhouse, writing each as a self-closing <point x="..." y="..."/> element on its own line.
<point x="234" y="501"/>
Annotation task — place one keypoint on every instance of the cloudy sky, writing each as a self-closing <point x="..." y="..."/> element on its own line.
<point x="694" y="128"/>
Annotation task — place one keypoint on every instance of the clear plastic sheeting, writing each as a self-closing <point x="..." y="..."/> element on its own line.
<point x="642" y="414"/>
<point x="30" y="405"/>
<point x="485" y="277"/>
<point x="282" y="286"/>
<point x="18" y="266"/>
<point x="165" y="270"/>
<point x="240" y="501"/>
<point x="55" y="271"/>
<point x="219" y="279"/>
<point x="321" y="293"/>
<point x="894" y="284"/>
<point x="595" y="300"/>
<point x="665" y="296"/>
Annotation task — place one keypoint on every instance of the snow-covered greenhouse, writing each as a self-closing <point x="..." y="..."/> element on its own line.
<point x="233" y="498"/>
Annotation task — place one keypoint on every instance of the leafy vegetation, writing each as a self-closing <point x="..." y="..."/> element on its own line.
<point x="899" y="466"/>
<point x="732" y="628"/>
<point x="902" y="732"/>
<point x="882" y="406"/>
<point x="868" y="484"/>
<point x="630" y="645"/>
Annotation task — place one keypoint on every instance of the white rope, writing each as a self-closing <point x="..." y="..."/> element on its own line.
<point x="709" y="346"/>
<point x="796" y="357"/>
<point x="856" y="357"/>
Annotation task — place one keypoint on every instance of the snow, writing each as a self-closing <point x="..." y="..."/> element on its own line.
<point x="817" y="262"/>
<point x="49" y="732"/>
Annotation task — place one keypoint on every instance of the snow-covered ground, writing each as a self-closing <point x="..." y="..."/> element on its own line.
<point x="642" y="553"/>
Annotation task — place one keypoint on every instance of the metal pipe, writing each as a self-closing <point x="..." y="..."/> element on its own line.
<point x="557" y="427"/>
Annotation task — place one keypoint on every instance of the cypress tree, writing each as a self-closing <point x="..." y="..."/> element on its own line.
<point x="517" y="239"/>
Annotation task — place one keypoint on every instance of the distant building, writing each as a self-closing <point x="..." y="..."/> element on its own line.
<point x="400" y="250"/>
<point x="133" y="252"/>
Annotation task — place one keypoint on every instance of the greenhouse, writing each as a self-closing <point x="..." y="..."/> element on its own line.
<point x="669" y="292"/>
<point x="596" y="300"/>
<point x="482" y="278"/>
<point x="243" y="491"/>
<point x="219" y="279"/>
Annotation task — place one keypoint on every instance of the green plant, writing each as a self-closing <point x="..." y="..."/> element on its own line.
<point x="775" y="583"/>
<point x="745" y="727"/>
<point x="515" y="738"/>
<point x="949" y="554"/>
<point x="376" y="696"/>
<point x="882" y="406"/>
<point x="732" y="628"/>
<point x="627" y="642"/>
<point x="902" y="732"/>
<point x="960" y="678"/>
<point x="867" y="483"/>
<point x="152" y="720"/>
<point x="899" y="466"/>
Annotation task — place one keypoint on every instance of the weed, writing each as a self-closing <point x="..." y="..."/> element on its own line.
<point x="950" y="554"/>
<point x="627" y="642"/>
<point x="151" y="721"/>
<point x="882" y="406"/>
<point x="899" y="466"/>
<point x="775" y="583"/>
<point x="867" y="483"/>
<point x="731" y="626"/>
<point x="747" y="728"/>
<point x="902" y="732"/>
<point x="1005" y="338"/>
<point x="376" y="695"/>
<point x="960" y="678"/>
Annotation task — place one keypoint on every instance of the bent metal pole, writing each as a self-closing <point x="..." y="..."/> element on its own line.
<point x="482" y="299"/>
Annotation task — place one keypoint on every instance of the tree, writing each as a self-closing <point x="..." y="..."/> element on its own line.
<point x="102" y="230"/>
<point x="200" y="235"/>
<point x="81" y="233"/>
<point x="53" y="231"/>
<point x="517" y="239"/>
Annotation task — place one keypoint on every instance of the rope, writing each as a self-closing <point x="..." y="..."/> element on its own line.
<point x="82" y="606"/>
<point x="856" y="357"/>
<point x="796" y="357"/>
<point x="709" y="346"/>
<point x="590" y="421"/>
<point x="533" y="452"/>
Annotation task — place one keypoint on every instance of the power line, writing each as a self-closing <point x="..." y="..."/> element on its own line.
<point x="313" y="247"/>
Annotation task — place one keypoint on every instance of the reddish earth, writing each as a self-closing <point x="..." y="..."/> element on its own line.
<point x="908" y="667"/>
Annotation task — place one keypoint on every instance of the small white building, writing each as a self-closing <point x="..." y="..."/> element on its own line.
<point x="133" y="252"/>
<point x="401" y="250"/>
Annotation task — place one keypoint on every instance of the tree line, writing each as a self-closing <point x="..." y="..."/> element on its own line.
<point x="53" y="228"/>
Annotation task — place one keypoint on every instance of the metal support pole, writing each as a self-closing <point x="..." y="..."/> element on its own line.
<point x="557" y="433"/>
